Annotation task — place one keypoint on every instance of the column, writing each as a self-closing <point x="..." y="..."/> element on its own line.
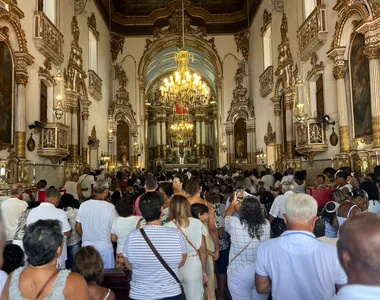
<point x="74" y="135"/>
<point x="249" y="145"/>
<point x="218" y="126"/>
<point x="203" y="126"/>
<point x="288" y="104"/>
<point x="374" y="72"/>
<point x="84" y="137"/>
<point x="50" y="104"/>
<point x="278" y="127"/>
<point x="163" y="141"/>
<point x="339" y="72"/>
<point x="159" y="143"/>
<point x="230" y="142"/>
<point x="20" y="115"/>
<point x="198" y="131"/>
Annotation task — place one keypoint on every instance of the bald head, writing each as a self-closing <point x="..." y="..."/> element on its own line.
<point x="16" y="190"/>
<point x="358" y="248"/>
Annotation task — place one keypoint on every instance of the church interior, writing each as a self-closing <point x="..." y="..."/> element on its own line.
<point x="167" y="85"/>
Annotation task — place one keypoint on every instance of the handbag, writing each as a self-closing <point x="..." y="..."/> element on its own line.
<point x="165" y="265"/>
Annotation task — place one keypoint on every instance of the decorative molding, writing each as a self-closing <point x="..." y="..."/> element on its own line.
<point x="95" y="85"/>
<point x="175" y="29"/>
<point x="93" y="141"/>
<point x="241" y="106"/>
<point x="74" y="75"/>
<point x="117" y="45"/>
<point x="266" y="82"/>
<point x="80" y="6"/>
<point x="267" y="20"/>
<point x="91" y="22"/>
<point x="312" y="33"/>
<point x="317" y="68"/>
<point x="242" y="43"/>
<point x="270" y="137"/>
<point x="48" y="40"/>
<point x="278" y="5"/>
<point x="45" y="72"/>
<point x="121" y="76"/>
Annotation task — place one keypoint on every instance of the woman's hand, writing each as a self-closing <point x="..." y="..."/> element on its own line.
<point x="204" y="278"/>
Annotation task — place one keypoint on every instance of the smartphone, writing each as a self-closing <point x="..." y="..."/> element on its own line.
<point x="240" y="194"/>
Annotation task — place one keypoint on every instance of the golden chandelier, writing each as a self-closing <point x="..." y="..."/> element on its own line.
<point x="183" y="87"/>
<point x="181" y="129"/>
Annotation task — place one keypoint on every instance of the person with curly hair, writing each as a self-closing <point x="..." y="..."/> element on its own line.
<point x="248" y="232"/>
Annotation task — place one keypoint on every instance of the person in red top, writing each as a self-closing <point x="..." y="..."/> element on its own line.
<point x="149" y="186"/>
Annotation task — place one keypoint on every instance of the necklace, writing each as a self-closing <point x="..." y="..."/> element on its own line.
<point x="153" y="225"/>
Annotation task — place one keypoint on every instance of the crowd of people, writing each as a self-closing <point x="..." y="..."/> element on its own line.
<point x="195" y="235"/>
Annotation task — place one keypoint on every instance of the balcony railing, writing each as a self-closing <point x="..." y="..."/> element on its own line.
<point x="54" y="142"/>
<point x="312" y="34"/>
<point x="47" y="38"/>
<point x="310" y="137"/>
<point x="95" y="85"/>
<point x="266" y="82"/>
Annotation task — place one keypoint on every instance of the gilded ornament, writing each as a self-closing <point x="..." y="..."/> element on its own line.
<point x="79" y="6"/>
<point x="344" y="138"/>
<point x="284" y="28"/>
<point x="242" y="43"/>
<point x="372" y="52"/>
<point x="22" y="79"/>
<point x="91" y="22"/>
<point x="75" y="30"/>
<point x="20" y="143"/>
<point x="278" y="5"/>
<point x="31" y="144"/>
<point x="266" y="82"/>
<point x="267" y="19"/>
<point x="333" y="138"/>
<point x="121" y="76"/>
<point x="93" y="141"/>
<point x="95" y="84"/>
<point x="376" y="131"/>
<point x="339" y="71"/>
<point x="117" y="45"/>
<point x="270" y="137"/>
<point x="317" y="67"/>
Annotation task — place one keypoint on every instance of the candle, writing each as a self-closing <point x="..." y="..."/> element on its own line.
<point x="332" y="162"/>
<point x="34" y="169"/>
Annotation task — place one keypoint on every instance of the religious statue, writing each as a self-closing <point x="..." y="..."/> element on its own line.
<point x="240" y="147"/>
<point x="124" y="152"/>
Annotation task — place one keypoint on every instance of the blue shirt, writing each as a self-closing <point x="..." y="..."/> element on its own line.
<point x="300" y="267"/>
<point x="150" y="280"/>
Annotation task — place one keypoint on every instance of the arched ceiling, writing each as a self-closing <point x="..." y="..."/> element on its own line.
<point x="163" y="64"/>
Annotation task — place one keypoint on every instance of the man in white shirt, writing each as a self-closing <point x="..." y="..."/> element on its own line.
<point x="48" y="211"/>
<point x="296" y="265"/>
<point x="268" y="180"/>
<point x="12" y="209"/>
<point x="73" y="188"/>
<point x="94" y="222"/>
<point x="358" y="249"/>
<point x="278" y="207"/>
<point x="86" y="182"/>
<point x="289" y="177"/>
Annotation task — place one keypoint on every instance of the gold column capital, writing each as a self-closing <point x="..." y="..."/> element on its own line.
<point x="340" y="69"/>
<point x="22" y="79"/>
<point x="20" y="143"/>
<point x="371" y="51"/>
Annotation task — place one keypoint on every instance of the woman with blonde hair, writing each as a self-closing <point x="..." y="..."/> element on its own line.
<point x="193" y="273"/>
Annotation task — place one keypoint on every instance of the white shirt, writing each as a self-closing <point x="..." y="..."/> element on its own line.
<point x="194" y="233"/>
<point x="47" y="211"/>
<point x="312" y="266"/>
<point x="96" y="218"/>
<point x="289" y="178"/>
<point x="239" y="239"/>
<point x="299" y="189"/>
<point x="268" y="181"/>
<point x="374" y="206"/>
<point x="358" y="292"/>
<point x="12" y="209"/>
<point x="278" y="206"/>
<point x="86" y="181"/>
<point x="71" y="188"/>
<point x="3" y="280"/>
<point x="122" y="227"/>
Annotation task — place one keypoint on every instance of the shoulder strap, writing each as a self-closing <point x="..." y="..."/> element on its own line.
<point x="241" y="251"/>
<point x="186" y="237"/>
<point x="82" y="180"/>
<point x="159" y="257"/>
<point x="47" y="283"/>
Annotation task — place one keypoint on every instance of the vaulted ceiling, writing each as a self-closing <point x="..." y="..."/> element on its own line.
<point x="140" y="17"/>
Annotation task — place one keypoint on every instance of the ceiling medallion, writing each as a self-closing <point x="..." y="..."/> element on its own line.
<point x="182" y="87"/>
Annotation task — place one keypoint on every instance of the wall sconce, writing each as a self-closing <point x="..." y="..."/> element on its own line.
<point x="326" y="120"/>
<point x="224" y="147"/>
<point x="260" y="154"/>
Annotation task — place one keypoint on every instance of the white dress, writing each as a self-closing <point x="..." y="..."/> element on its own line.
<point x="191" y="273"/>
